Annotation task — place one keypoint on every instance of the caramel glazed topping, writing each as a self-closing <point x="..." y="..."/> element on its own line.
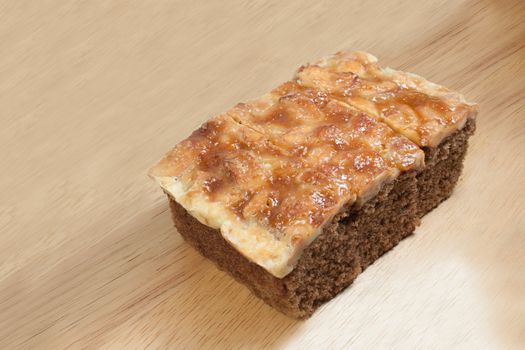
<point x="271" y="172"/>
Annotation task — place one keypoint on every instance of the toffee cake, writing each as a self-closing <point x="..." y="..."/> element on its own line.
<point x="297" y="192"/>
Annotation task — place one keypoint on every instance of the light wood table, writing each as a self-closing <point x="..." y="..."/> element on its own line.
<point x="92" y="93"/>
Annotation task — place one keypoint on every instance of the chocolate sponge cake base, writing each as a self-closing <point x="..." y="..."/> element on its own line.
<point x="443" y="168"/>
<point x="353" y="240"/>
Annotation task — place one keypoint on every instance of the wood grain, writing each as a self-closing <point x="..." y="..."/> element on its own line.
<point x="92" y="93"/>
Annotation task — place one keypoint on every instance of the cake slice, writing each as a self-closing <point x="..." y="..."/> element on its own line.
<point x="297" y="192"/>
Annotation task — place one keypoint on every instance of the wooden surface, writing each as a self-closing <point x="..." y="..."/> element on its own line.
<point x="92" y="93"/>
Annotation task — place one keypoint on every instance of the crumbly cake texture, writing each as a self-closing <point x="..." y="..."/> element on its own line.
<point x="297" y="192"/>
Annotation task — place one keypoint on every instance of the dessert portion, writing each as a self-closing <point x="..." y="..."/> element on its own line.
<point x="297" y="192"/>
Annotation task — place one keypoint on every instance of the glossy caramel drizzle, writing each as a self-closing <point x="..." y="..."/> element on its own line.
<point x="399" y="105"/>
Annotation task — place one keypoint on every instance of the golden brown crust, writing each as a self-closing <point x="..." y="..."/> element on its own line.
<point x="424" y="112"/>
